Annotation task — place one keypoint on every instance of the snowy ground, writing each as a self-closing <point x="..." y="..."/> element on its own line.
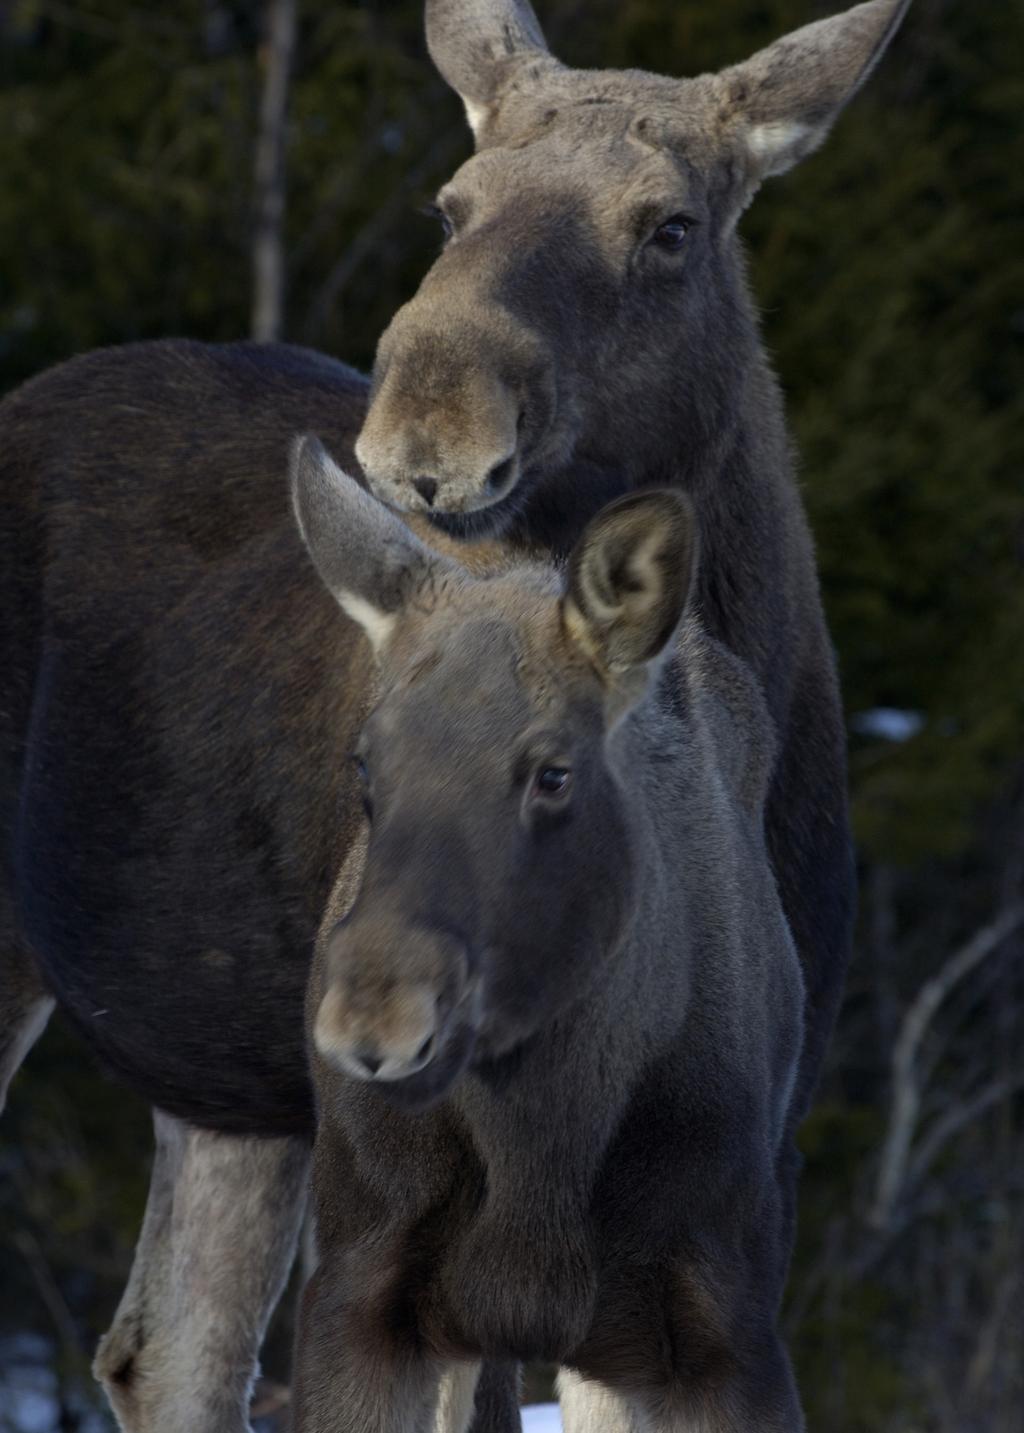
<point x="541" y="1418"/>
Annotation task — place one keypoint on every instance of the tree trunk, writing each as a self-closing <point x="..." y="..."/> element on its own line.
<point x="271" y="148"/>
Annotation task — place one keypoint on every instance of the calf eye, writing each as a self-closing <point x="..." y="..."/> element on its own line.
<point x="671" y="235"/>
<point x="553" y="780"/>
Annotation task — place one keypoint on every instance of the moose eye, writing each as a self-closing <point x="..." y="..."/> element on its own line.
<point x="553" y="780"/>
<point x="434" y="211"/>
<point x="671" y="236"/>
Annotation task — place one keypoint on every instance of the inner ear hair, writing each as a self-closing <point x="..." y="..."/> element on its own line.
<point x="630" y="578"/>
<point x="366" y="556"/>
<point x="783" y="101"/>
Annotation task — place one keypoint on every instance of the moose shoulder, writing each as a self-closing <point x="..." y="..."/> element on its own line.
<point x="557" y="1031"/>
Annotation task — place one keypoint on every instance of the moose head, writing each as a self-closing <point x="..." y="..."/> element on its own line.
<point x="501" y="869"/>
<point x="590" y="302"/>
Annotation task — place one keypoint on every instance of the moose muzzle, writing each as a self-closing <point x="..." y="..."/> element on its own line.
<point x="454" y="408"/>
<point x="395" y="995"/>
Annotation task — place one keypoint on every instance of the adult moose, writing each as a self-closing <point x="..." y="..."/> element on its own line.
<point x="178" y="695"/>
<point x="558" y="1029"/>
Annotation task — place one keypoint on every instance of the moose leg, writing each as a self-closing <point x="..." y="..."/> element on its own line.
<point x="456" y="1398"/>
<point x="590" y="1407"/>
<point x="752" y="1390"/>
<point x="689" y="1344"/>
<point x="359" y="1367"/>
<point x="759" y="1399"/>
<point x="496" y="1407"/>
<point x="218" y="1239"/>
<point x="25" y="1007"/>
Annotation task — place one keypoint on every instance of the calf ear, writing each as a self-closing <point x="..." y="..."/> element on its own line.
<point x="474" y="44"/>
<point x="630" y="577"/>
<point x="366" y="556"/>
<point x="783" y="101"/>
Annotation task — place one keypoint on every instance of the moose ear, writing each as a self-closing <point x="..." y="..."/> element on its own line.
<point x="366" y="556"/>
<point x="783" y="101"/>
<point x="472" y="43"/>
<point x="630" y="577"/>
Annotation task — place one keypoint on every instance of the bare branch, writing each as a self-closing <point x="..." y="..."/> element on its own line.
<point x="1006" y="1298"/>
<point x="49" y="1291"/>
<point x="943" y="1130"/>
<point x="906" y="1091"/>
<point x="271" y="145"/>
<point x="377" y="225"/>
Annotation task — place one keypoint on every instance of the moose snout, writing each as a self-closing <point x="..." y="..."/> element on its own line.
<point x="446" y="425"/>
<point x="390" y="1042"/>
<point x="390" y="1001"/>
<point x="449" y="461"/>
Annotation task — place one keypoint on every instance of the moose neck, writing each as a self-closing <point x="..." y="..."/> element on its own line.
<point x="718" y="430"/>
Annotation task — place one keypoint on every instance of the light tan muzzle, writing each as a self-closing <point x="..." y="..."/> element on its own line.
<point x="389" y="998"/>
<point x="459" y="387"/>
<point x="385" y="1042"/>
<point x="454" y="455"/>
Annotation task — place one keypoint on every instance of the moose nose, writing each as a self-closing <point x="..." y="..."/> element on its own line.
<point x="427" y="489"/>
<point x="388" y="1039"/>
<point x="370" y="1062"/>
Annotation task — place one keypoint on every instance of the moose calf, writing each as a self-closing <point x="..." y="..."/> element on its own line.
<point x="556" y="1031"/>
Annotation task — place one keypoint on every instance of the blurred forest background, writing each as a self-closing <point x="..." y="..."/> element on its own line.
<point x="142" y="194"/>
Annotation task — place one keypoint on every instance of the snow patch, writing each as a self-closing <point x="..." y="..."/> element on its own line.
<point x="888" y="723"/>
<point x="542" y="1418"/>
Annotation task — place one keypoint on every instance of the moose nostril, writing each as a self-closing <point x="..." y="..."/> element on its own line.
<point x="424" y="1052"/>
<point x="427" y="489"/>
<point x="500" y="474"/>
<point x="370" y="1063"/>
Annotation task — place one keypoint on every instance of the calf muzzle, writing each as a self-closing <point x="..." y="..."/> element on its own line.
<point x="394" y="998"/>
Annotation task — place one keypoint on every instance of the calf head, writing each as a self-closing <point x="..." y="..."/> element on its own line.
<point x="589" y="300"/>
<point x="501" y="865"/>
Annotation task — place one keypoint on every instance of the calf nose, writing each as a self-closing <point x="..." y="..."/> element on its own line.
<point x="386" y="1040"/>
<point x="375" y="1063"/>
<point x="427" y="489"/>
<point x="371" y="1063"/>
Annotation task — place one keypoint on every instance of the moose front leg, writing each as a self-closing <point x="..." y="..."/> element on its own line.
<point x="757" y="1395"/>
<point x="590" y="1407"/>
<point x="218" y="1240"/>
<point x="496" y="1405"/>
<point x="359" y="1367"/>
<point x="687" y="1343"/>
<point x="760" y="1400"/>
